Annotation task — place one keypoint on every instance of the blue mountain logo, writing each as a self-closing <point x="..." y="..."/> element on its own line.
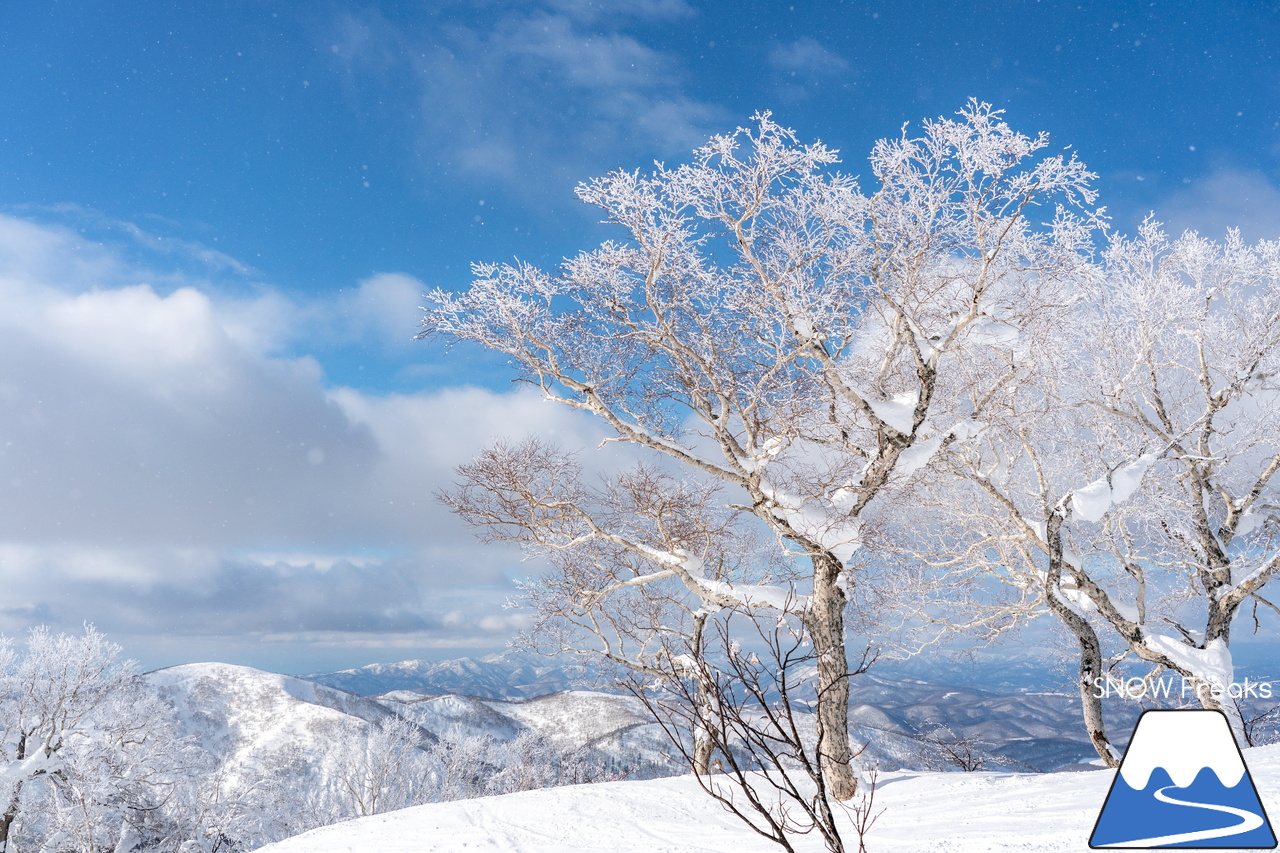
<point x="1183" y="783"/>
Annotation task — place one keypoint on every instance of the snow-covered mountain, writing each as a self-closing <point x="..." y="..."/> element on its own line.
<point x="609" y="731"/>
<point x="896" y="714"/>
<point x="493" y="677"/>
<point x="1024" y="731"/>
<point x="251" y="720"/>
<point x="454" y="715"/>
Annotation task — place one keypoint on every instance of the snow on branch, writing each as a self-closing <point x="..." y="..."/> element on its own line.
<point x="1095" y="500"/>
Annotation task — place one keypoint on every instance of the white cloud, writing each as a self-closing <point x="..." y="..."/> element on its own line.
<point x="134" y="416"/>
<point x="186" y="257"/>
<point x="562" y="85"/>
<point x="34" y="254"/>
<point x="804" y="65"/>
<point x="165" y="471"/>
<point x="806" y="56"/>
<point x="382" y="309"/>
<point x="588" y="10"/>
<point x="1227" y="198"/>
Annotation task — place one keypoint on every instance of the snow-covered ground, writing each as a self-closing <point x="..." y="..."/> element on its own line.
<point x="923" y="812"/>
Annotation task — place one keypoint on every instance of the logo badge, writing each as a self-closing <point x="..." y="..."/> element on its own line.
<point x="1183" y="783"/>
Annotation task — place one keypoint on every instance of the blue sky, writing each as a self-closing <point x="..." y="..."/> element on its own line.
<point x="217" y="220"/>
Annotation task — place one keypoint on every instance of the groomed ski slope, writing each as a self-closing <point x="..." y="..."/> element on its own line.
<point x="924" y="812"/>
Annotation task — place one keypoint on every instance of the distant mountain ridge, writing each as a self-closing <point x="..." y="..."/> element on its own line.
<point x="522" y="676"/>
<point x="891" y="710"/>
<point x="497" y="676"/>
<point x="525" y="676"/>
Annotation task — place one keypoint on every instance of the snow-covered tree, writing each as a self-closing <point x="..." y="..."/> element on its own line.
<point x="1189" y="364"/>
<point x="1126" y="481"/>
<point x="768" y="327"/>
<point x="461" y="766"/>
<point x="48" y="696"/>
<point x="989" y="537"/>
<point x="531" y="761"/>
<point x="385" y="770"/>
<point x="88" y="757"/>
<point x="613" y="589"/>
<point x="123" y="782"/>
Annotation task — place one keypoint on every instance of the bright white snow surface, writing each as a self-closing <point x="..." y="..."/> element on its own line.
<point x="924" y="812"/>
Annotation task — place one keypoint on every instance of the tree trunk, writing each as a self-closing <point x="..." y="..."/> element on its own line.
<point x="703" y="746"/>
<point x="1090" y="648"/>
<point x="1090" y="693"/>
<point x="702" y="749"/>
<point x="1090" y="672"/>
<point x="1216" y="578"/>
<point x="6" y="822"/>
<point x="826" y="628"/>
<point x="10" y="813"/>
<point x="15" y="796"/>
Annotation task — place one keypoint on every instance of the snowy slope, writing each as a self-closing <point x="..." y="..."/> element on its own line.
<point x="253" y="721"/>
<point x="576" y="716"/>
<point x="247" y="717"/>
<point x="453" y="716"/>
<point x="924" y="812"/>
<point x="604" y="729"/>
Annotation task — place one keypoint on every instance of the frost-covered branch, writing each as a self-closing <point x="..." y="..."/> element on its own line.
<point x="765" y="324"/>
